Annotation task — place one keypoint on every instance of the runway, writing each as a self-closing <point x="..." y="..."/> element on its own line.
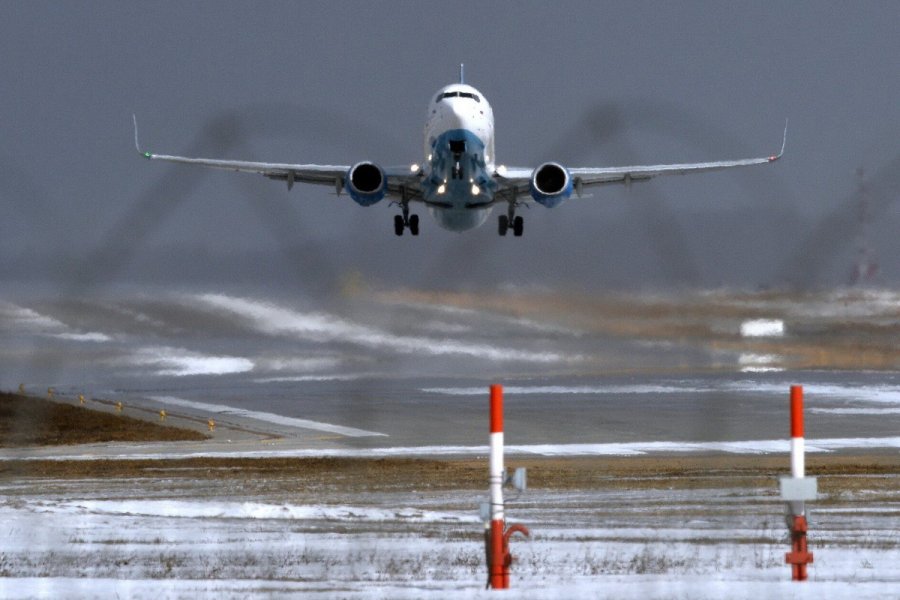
<point x="603" y="417"/>
<point x="406" y="372"/>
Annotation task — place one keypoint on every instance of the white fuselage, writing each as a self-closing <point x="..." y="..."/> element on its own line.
<point x="458" y="184"/>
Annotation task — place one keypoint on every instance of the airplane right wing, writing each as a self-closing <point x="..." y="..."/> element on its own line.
<point x="519" y="179"/>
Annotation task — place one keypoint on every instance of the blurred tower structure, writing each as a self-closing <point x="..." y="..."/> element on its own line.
<point x="865" y="270"/>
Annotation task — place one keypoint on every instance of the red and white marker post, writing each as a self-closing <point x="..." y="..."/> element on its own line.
<point x="796" y="490"/>
<point x="497" y="544"/>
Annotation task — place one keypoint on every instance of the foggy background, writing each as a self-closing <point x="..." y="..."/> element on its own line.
<point x="586" y="84"/>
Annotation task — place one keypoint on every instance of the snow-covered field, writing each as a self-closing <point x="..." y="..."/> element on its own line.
<point x="184" y="537"/>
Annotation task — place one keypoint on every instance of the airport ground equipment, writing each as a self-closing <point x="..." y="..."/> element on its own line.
<point x="497" y="533"/>
<point x="796" y="490"/>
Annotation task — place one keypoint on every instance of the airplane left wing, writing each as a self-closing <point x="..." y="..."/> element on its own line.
<point x="400" y="181"/>
<point x="307" y="173"/>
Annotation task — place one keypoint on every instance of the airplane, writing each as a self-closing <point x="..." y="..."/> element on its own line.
<point x="460" y="181"/>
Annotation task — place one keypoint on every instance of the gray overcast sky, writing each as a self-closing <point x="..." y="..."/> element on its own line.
<point x="594" y="83"/>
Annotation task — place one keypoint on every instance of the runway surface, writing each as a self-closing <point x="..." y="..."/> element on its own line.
<point x="407" y="372"/>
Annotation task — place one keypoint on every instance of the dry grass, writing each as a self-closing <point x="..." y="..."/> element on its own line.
<point x="30" y="421"/>
<point x="837" y="473"/>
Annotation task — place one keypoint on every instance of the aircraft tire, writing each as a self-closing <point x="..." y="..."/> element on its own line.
<point x="518" y="226"/>
<point x="502" y="224"/>
<point x="414" y="224"/>
<point x="398" y="225"/>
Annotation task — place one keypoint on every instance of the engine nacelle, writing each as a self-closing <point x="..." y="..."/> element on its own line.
<point x="550" y="184"/>
<point x="366" y="183"/>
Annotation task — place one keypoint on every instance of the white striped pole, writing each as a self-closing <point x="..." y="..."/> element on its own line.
<point x="799" y="556"/>
<point x="798" y="446"/>
<point x="496" y="482"/>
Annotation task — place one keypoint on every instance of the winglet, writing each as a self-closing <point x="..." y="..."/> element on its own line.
<point x="775" y="157"/>
<point x="137" y="144"/>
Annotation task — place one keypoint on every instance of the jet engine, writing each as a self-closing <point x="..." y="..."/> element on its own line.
<point x="550" y="184"/>
<point x="366" y="183"/>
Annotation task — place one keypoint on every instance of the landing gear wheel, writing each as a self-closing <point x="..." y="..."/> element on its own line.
<point x="398" y="225"/>
<point x="414" y="224"/>
<point x="502" y="224"/>
<point x="518" y="226"/>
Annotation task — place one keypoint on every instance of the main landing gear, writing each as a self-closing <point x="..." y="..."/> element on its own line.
<point x="401" y="222"/>
<point x="405" y="220"/>
<point x="510" y="221"/>
<point x="517" y="225"/>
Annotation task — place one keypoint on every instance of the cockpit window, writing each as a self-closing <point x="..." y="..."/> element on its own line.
<point x="458" y="95"/>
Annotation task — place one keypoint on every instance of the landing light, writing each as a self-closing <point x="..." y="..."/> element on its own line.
<point x="501" y="170"/>
<point x="441" y="189"/>
<point x="475" y="190"/>
<point x="414" y="168"/>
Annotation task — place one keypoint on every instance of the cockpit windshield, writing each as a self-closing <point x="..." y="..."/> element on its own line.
<point x="458" y="95"/>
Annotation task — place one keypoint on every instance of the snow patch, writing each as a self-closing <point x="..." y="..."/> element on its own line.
<point x="550" y="390"/>
<point x="781" y="446"/>
<point x="30" y="320"/>
<point x="759" y="363"/>
<point x="322" y="327"/>
<point x="91" y="336"/>
<point x="251" y="510"/>
<point x="179" y="362"/>
<point x="222" y="409"/>
<point x="762" y="328"/>
<point x="855" y="411"/>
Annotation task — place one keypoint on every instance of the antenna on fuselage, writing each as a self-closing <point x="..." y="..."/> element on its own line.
<point x="462" y="78"/>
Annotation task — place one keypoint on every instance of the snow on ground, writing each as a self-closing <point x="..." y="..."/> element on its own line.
<point x="134" y="452"/>
<point x="188" y="538"/>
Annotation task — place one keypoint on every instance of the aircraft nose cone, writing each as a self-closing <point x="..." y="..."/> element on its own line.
<point x="460" y="115"/>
